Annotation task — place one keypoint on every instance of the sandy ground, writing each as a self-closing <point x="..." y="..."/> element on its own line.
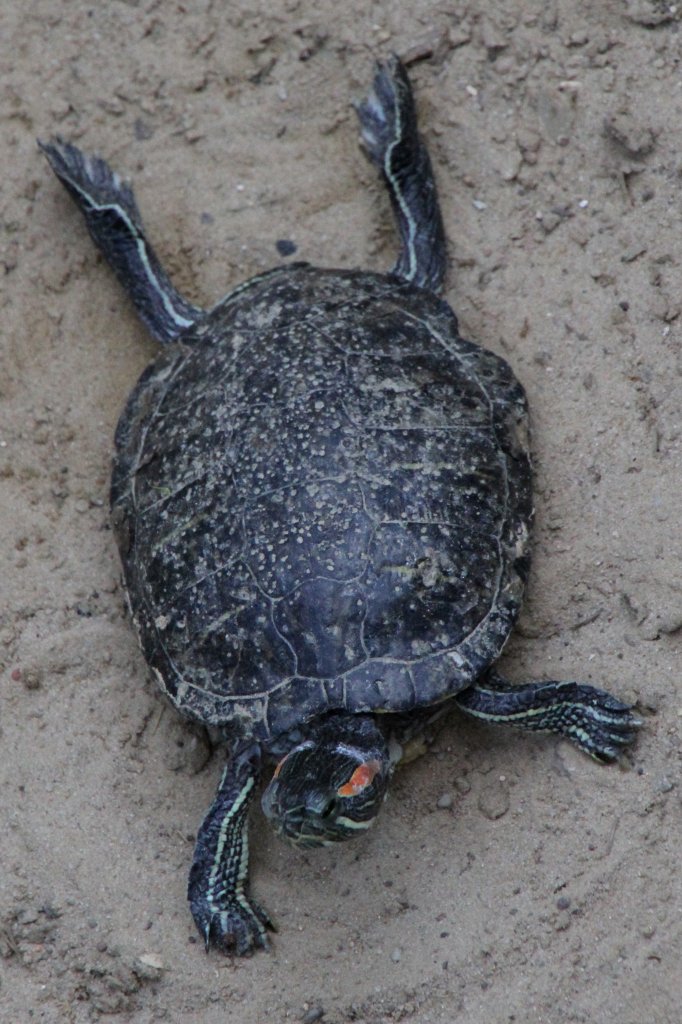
<point x="509" y="878"/>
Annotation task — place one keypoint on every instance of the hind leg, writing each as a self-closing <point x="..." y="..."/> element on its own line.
<point x="114" y="222"/>
<point x="388" y="121"/>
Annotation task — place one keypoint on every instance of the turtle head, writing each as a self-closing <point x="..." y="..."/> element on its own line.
<point x="330" y="786"/>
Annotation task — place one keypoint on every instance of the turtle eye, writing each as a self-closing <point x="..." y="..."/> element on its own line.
<point x="360" y="779"/>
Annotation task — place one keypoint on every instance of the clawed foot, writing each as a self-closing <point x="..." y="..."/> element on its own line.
<point x="380" y="114"/>
<point x="593" y="719"/>
<point x="239" y="927"/>
<point x="91" y="181"/>
<point x="597" y="722"/>
<point x="114" y="221"/>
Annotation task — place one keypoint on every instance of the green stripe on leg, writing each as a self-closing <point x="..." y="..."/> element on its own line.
<point x="593" y="719"/>
<point x="223" y="910"/>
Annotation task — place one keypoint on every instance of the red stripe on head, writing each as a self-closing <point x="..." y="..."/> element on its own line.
<point x="360" y="779"/>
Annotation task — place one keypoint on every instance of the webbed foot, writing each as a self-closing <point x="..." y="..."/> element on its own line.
<point x="114" y="222"/>
<point x="237" y="924"/>
<point x="598" y="723"/>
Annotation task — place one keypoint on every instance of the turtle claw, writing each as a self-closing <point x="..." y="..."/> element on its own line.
<point x="607" y="727"/>
<point x="379" y="112"/>
<point x="113" y="219"/>
<point x="597" y="722"/>
<point x="600" y="724"/>
<point x="238" y="928"/>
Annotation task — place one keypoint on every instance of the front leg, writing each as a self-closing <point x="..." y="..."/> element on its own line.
<point x="223" y="911"/>
<point x="593" y="719"/>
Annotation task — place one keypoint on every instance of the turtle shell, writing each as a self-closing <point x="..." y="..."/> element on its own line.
<point x="322" y="497"/>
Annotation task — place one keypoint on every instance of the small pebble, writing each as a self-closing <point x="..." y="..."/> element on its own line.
<point x="634" y="137"/>
<point x="32" y="678"/>
<point x="494" y="801"/>
<point x="142" y="130"/>
<point x="458" y="35"/>
<point x="149" y="966"/>
<point x="285" y="247"/>
<point x="396" y="955"/>
<point x="549" y="221"/>
<point x="313" y="1014"/>
<point x="444" y="801"/>
<point x="562" y="921"/>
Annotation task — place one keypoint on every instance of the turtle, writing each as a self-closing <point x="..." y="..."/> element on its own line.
<point x="322" y="498"/>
